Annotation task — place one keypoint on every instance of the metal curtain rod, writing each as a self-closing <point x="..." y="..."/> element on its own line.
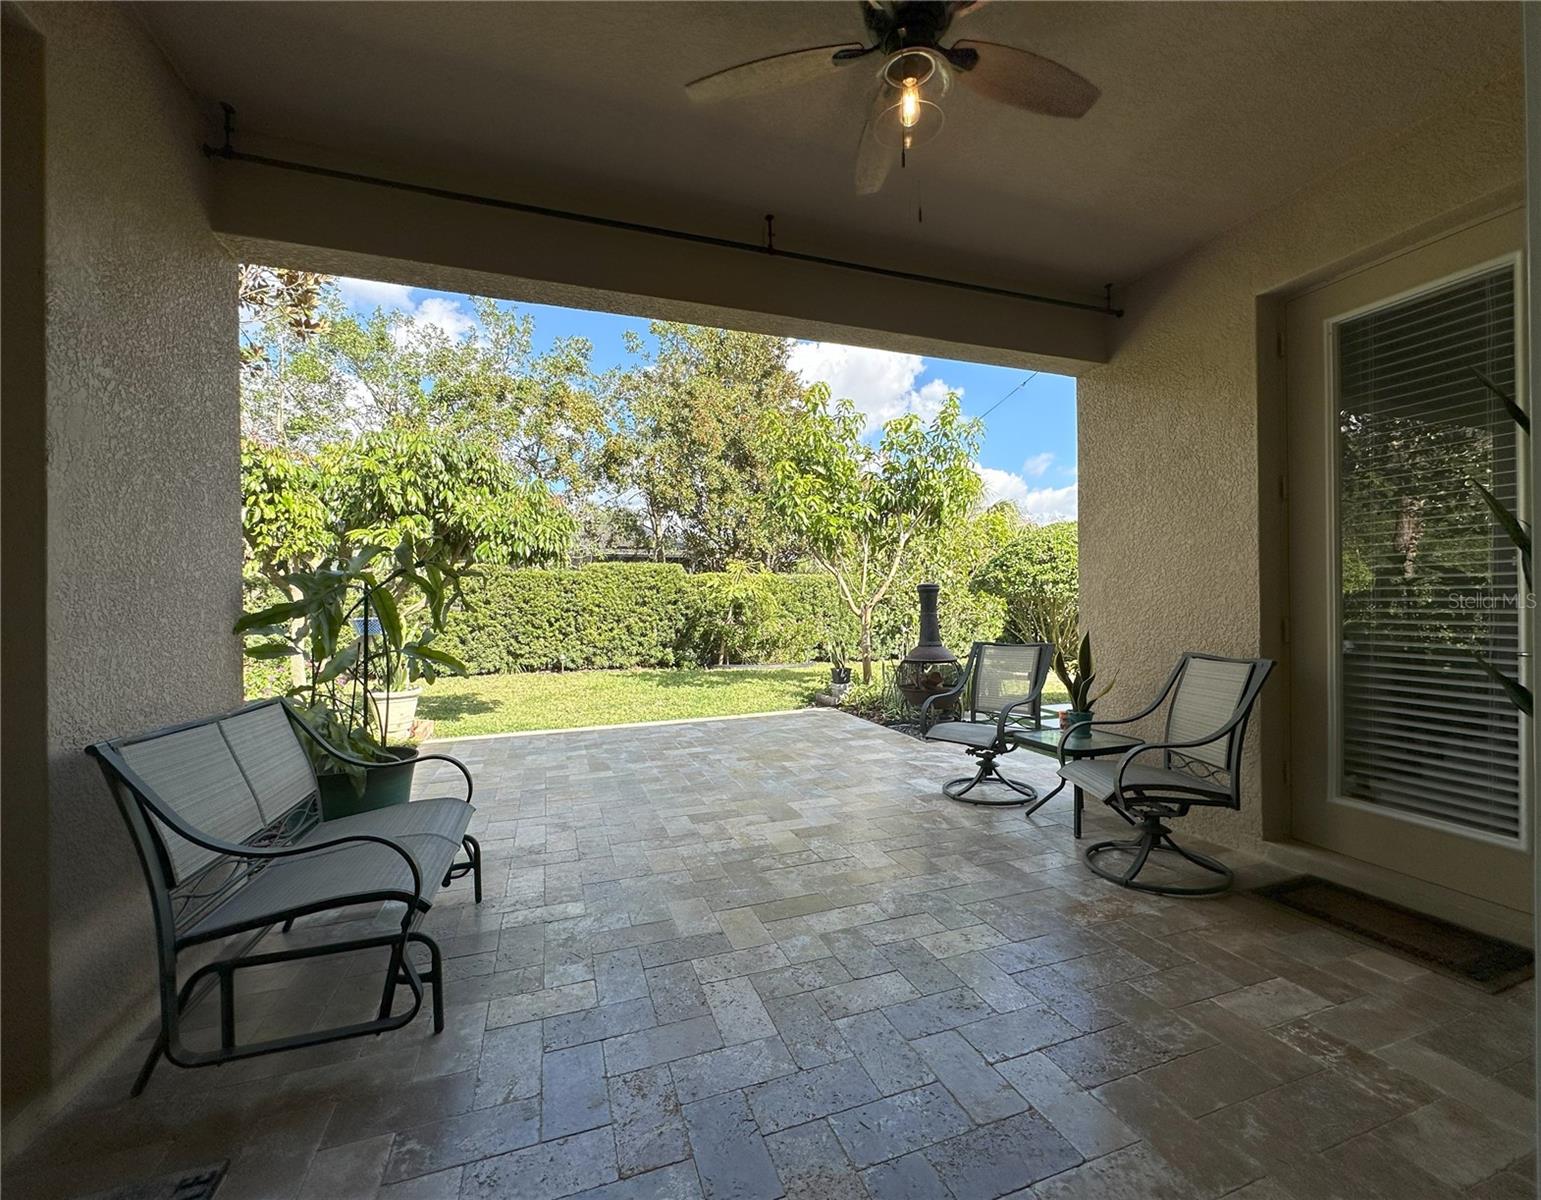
<point x="227" y="151"/>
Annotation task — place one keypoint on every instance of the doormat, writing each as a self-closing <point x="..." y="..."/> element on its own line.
<point x="1487" y="962"/>
<point x="195" y="1183"/>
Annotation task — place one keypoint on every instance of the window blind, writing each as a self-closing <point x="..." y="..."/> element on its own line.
<point x="1427" y="575"/>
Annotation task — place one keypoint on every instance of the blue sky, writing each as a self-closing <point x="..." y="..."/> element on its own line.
<point x="1028" y="453"/>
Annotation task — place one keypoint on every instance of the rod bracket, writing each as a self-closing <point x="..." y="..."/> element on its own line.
<point x="227" y="150"/>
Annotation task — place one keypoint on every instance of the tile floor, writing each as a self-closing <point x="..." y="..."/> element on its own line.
<point x="749" y="959"/>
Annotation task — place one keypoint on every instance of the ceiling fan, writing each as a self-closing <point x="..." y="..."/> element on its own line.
<point x="916" y="72"/>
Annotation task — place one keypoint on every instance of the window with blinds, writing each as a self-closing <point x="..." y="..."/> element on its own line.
<point x="1428" y="578"/>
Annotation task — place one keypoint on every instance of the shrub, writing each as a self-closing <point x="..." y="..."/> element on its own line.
<point x="879" y="700"/>
<point x="1037" y="577"/>
<point x="809" y="612"/>
<point x="732" y="616"/>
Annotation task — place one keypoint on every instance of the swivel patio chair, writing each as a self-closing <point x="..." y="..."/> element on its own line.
<point x="1206" y="723"/>
<point x="998" y="680"/>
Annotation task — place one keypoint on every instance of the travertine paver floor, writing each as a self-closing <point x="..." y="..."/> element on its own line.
<point x="745" y="959"/>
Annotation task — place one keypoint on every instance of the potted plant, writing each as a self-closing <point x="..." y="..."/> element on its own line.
<point x="360" y="652"/>
<point x="1078" y="678"/>
<point x="839" y="669"/>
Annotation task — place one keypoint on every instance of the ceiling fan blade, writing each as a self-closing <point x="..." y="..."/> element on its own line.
<point x="1026" y="80"/>
<point x="873" y="159"/>
<point x="768" y="74"/>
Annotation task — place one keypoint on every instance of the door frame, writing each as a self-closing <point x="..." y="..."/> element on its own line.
<point x="1287" y="609"/>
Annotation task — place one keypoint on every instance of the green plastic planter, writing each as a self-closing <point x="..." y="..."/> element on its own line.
<point x="383" y="786"/>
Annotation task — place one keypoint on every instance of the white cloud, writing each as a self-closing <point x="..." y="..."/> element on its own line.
<point x="372" y="293"/>
<point x="1037" y="504"/>
<point x="1038" y="464"/>
<point x="1051" y="504"/>
<point x="881" y="383"/>
<point x="446" y="315"/>
<point x="439" y="312"/>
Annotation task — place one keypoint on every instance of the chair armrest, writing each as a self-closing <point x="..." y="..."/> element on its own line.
<point x="1004" y="715"/>
<point x="1190" y="744"/>
<point x="1166" y="690"/>
<point x="950" y="694"/>
<point x="454" y="762"/>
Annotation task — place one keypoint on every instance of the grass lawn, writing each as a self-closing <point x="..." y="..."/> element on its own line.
<point x="482" y="704"/>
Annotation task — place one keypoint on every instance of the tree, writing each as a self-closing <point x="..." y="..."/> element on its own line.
<point x="860" y="508"/>
<point x="455" y="499"/>
<point x="314" y="374"/>
<point x="544" y="413"/>
<point x="950" y="557"/>
<point x="689" y="454"/>
<point x="440" y="490"/>
<point x="289" y="394"/>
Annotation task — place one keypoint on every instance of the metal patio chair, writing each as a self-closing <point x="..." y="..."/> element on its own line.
<point x="999" y="679"/>
<point x="1200" y="766"/>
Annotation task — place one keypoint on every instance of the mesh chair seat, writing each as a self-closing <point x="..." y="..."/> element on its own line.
<point x="447" y="818"/>
<point x="330" y="878"/>
<point x="1097" y="778"/>
<point x="963" y="733"/>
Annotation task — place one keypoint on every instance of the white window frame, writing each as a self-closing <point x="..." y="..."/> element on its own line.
<point x="1520" y="842"/>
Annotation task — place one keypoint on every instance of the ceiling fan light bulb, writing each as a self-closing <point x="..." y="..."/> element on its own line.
<point x="909" y="105"/>
<point x="901" y="127"/>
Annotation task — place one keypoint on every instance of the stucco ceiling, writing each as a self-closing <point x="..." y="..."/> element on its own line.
<point x="1209" y="113"/>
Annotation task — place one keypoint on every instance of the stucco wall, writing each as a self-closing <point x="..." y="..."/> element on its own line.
<point x="143" y="480"/>
<point x="1181" y="539"/>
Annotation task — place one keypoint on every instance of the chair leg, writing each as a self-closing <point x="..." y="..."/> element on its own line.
<point x="474" y="849"/>
<point x="392" y="979"/>
<point x="434" y="977"/>
<point x="1156" y="837"/>
<point x="989" y="772"/>
<point x="142" y="1080"/>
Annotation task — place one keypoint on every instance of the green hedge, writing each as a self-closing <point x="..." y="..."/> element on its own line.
<point x="603" y="615"/>
<point x="655" y="615"/>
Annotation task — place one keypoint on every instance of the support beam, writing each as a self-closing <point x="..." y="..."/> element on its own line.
<point x="269" y="215"/>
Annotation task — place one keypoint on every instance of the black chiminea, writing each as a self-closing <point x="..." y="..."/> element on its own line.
<point x="930" y="667"/>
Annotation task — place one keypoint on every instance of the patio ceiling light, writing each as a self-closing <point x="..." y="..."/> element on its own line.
<point x="913" y="82"/>
<point x="917" y="70"/>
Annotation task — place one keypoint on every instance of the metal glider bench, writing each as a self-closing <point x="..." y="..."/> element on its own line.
<point x="226" y="818"/>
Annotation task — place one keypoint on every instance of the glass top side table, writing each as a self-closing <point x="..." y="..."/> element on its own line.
<point x="1092" y="744"/>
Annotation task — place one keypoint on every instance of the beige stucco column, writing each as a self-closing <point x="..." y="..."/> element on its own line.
<point x="130" y="471"/>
